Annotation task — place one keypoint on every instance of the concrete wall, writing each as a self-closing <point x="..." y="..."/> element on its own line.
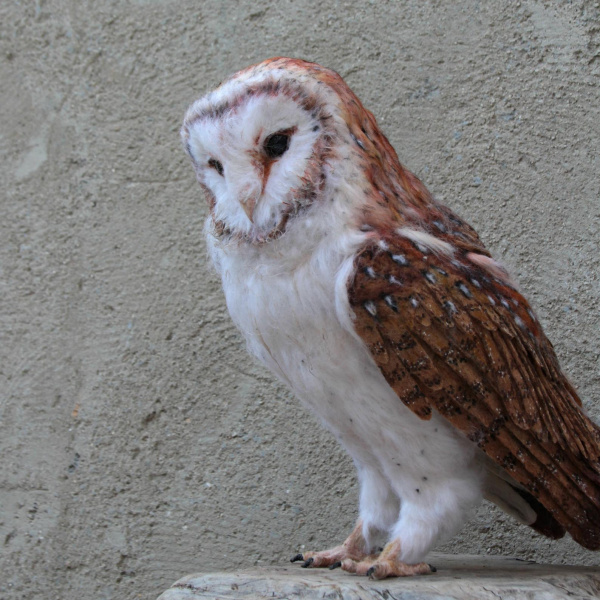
<point x="138" y="442"/>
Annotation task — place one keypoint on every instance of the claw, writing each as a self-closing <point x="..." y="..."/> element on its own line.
<point x="371" y="571"/>
<point x="297" y="558"/>
<point x="433" y="569"/>
<point x="335" y="565"/>
<point x="308" y="562"/>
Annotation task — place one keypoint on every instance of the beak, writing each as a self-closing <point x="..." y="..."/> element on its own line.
<point x="249" y="204"/>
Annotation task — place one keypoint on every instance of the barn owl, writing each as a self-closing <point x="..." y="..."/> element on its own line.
<point x="386" y="315"/>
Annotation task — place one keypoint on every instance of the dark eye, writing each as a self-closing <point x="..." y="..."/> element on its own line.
<point x="276" y="145"/>
<point x="216" y="165"/>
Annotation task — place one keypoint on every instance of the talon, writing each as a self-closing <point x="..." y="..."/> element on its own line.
<point x="335" y="565"/>
<point x="371" y="571"/>
<point x="308" y="562"/>
<point x="297" y="558"/>
<point x="433" y="569"/>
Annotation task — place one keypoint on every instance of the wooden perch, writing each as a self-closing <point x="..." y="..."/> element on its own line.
<point x="457" y="578"/>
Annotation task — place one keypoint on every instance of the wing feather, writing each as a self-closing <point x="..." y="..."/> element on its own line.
<point x="452" y="337"/>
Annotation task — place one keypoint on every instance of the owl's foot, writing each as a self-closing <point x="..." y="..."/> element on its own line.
<point x="386" y="564"/>
<point x="352" y="549"/>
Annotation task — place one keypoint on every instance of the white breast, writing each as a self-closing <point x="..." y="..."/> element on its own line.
<point x="289" y="299"/>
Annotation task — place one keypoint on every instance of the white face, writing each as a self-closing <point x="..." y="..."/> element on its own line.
<point x="252" y="158"/>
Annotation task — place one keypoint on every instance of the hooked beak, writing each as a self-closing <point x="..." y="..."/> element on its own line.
<point x="249" y="204"/>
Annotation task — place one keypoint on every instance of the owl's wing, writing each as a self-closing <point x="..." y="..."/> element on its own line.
<point x="453" y="336"/>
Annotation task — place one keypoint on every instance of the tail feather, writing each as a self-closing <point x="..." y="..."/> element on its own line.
<point x="581" y="519"/>
<point x="544" y="523"/>
<point x="522" y="506"/>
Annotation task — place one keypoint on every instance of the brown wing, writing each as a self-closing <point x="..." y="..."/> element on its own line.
<point x="450" y="335"/>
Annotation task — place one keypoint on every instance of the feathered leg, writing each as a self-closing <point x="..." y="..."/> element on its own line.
<point x="427" y="516"/>
<point x="379" y="508"/>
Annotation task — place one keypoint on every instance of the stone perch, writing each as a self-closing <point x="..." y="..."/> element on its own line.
<point x="457" y="578"/>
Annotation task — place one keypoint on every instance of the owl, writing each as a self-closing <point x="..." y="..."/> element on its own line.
<point x="388" y="318"/>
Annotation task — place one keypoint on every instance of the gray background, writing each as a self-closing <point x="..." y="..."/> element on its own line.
<point x="138" y="442"/>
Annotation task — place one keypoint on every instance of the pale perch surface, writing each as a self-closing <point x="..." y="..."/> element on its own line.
<point x="458" y="577"/>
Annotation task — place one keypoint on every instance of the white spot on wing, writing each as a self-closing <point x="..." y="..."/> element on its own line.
<point x="450" y="307"/>
<point x="400" y="259"/>
<point x="371" y="308"/>
<point x="391" y="302"/>
<point x="464" y="289"/>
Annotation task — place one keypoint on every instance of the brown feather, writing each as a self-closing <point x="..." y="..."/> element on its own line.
<point x="452" y="338"/>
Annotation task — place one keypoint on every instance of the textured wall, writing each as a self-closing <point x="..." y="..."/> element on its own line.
<point x="138" y="442"/>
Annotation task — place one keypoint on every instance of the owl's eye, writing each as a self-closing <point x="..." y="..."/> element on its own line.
<point x="216" y="165"/>
<point x="276" y="144"/>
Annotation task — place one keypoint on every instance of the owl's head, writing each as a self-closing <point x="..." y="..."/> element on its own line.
<point x="263" y="144"/>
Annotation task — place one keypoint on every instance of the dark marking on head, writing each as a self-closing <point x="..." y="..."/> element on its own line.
<point x="213" y="163"/>
<point x="188" y="149"/>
